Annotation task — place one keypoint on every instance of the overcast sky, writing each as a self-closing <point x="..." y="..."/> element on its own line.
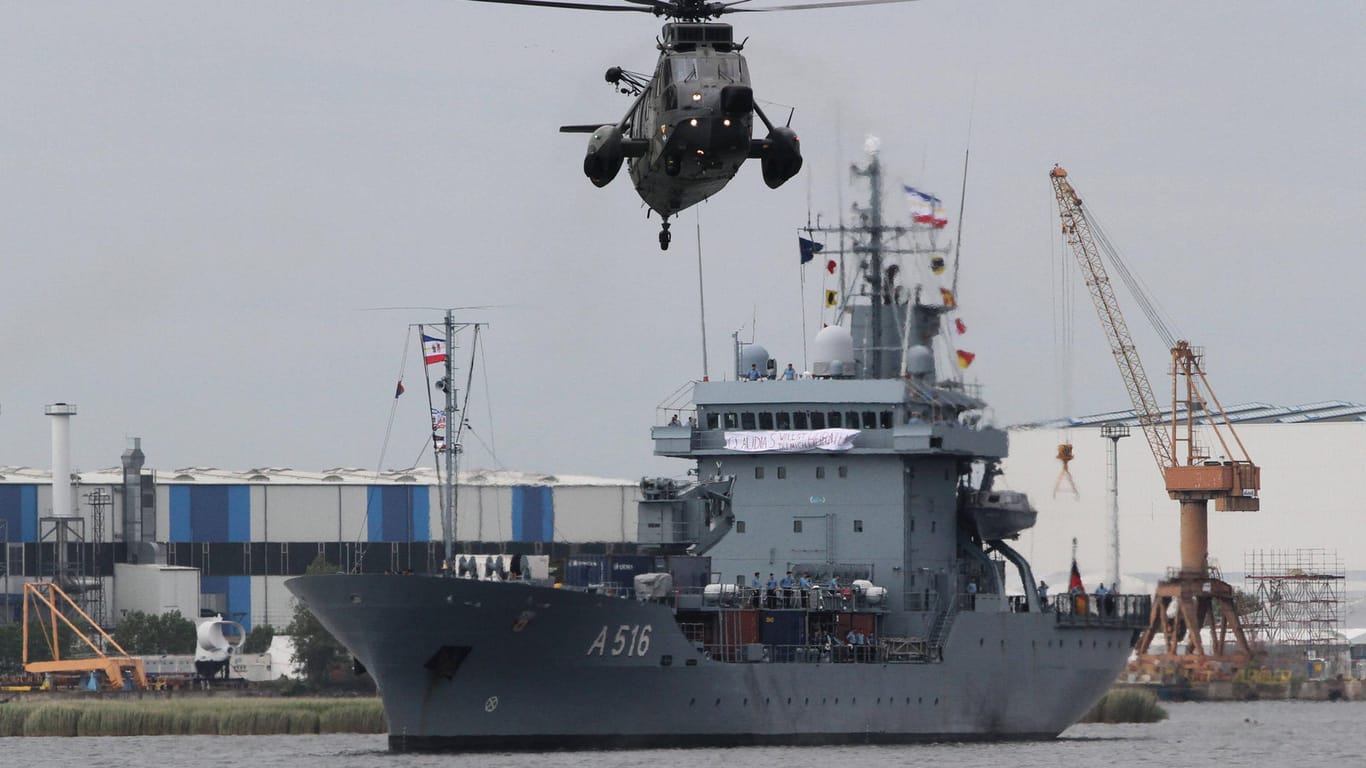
<point x="199" y="201"/>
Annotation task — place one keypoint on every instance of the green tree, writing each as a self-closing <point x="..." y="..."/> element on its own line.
<point x="12" y="645"/>
<point x="315" y="649"/>
<point x="1245" y="603"/>
<point x="258" y="640"/>
<point x="148" y="634"/>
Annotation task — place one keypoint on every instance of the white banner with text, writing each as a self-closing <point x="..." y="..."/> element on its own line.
<point x="791" y="440"/>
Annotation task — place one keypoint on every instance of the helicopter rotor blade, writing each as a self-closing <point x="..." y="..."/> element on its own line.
<point x="810" y="6"/>
<point x="574" y="6"/>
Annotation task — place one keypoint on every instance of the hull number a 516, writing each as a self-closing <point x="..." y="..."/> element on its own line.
<point x="625" y="640"/>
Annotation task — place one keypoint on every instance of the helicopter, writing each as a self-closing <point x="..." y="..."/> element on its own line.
<point x="690" y="125"/>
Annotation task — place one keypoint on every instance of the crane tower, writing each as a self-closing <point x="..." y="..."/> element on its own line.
<point x="1193" y="597"/>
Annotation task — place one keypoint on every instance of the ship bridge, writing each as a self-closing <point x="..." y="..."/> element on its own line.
<point x="887" y="416"/>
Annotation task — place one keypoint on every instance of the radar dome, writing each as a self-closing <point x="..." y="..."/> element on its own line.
<point x="755" y="355"/>
<point x="834" y="351"/>
<point x="919" y="361"/>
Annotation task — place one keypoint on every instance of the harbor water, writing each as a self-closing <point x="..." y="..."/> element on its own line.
<point x="1300" y="734"/>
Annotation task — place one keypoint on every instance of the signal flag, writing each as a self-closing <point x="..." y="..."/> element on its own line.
<point x="831" y="299"/>
<point x="433" y="350"/>
<point x="809" y="248"/>
<point x="965" y="358"/>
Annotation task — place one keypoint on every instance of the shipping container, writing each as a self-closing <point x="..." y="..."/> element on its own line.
<point x="621" y="570"/>
<point x="733" y="628"/>
<point x="584" y="570"/>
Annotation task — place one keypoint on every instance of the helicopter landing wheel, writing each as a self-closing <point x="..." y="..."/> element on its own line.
<point x="664" y="237"/>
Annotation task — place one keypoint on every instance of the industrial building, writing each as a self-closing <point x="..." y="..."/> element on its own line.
<point x="231" y="538"/>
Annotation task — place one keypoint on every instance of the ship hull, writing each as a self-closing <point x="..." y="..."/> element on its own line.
<point x="468" y="665"/>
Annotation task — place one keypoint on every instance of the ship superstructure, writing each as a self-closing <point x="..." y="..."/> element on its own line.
<point x="836" y="568"/>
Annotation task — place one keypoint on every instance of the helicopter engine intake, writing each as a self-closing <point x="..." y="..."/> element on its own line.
<point x="605" y="155"/>
<point x="781" y="157"/>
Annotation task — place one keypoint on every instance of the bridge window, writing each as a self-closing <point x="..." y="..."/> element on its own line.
<point x="713" y="421"/>
<point x="869" y="420"/>
<point x="817" y="420"/>
<point x="732" y="421"/>
<point x="833" y="418"/>
<point x="784" y="420"/>
<point x="765" y="420"/>
<point x="851" y="419"/>
<point x="746" y="421"/>
<point x="799" y="420"/>
<point x="886" y="419"/>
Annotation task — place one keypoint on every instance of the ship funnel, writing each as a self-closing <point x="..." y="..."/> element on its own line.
<point x="61" y="414"/>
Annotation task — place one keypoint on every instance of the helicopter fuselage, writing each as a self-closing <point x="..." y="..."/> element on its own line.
<point x="690" y="127"/>
<point x="697" y="115"/>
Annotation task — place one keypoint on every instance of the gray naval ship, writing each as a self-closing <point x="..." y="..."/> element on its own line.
<point x="908" y="616"/>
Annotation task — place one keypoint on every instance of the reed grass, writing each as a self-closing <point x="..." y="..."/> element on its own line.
<point x="1126" y="706"/>
<point x="191" y="716"/>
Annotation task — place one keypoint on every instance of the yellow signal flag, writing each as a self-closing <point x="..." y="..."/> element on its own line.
<point x="947" y="296"/>
<point x="937" y="265"/>
<point x="831" y="299"/>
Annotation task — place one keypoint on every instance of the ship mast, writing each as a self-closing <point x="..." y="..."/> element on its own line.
<point x="874" y="241"/>
<point x="448" y="509"/>
<point x="455" y="423"/>
<point x="873" y="172"/>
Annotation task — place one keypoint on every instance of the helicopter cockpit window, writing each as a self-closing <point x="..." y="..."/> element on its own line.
<point x="728" y="68"/>
<point x="690" y="69"/>
<point x="684" y="69"/>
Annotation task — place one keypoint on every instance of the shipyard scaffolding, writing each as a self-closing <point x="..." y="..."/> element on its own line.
<point x="1299" y="598"/>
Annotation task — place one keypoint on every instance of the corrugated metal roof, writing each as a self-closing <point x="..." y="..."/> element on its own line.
<point x="1242" y="413"/>
<point x="337" y="475"/>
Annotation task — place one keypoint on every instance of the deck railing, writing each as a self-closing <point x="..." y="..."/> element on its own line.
<point x="1108" y="610"/>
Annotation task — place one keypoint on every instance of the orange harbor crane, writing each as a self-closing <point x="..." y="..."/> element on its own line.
<point x="1193" y="598"/>
<point x="47" y="605"/>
